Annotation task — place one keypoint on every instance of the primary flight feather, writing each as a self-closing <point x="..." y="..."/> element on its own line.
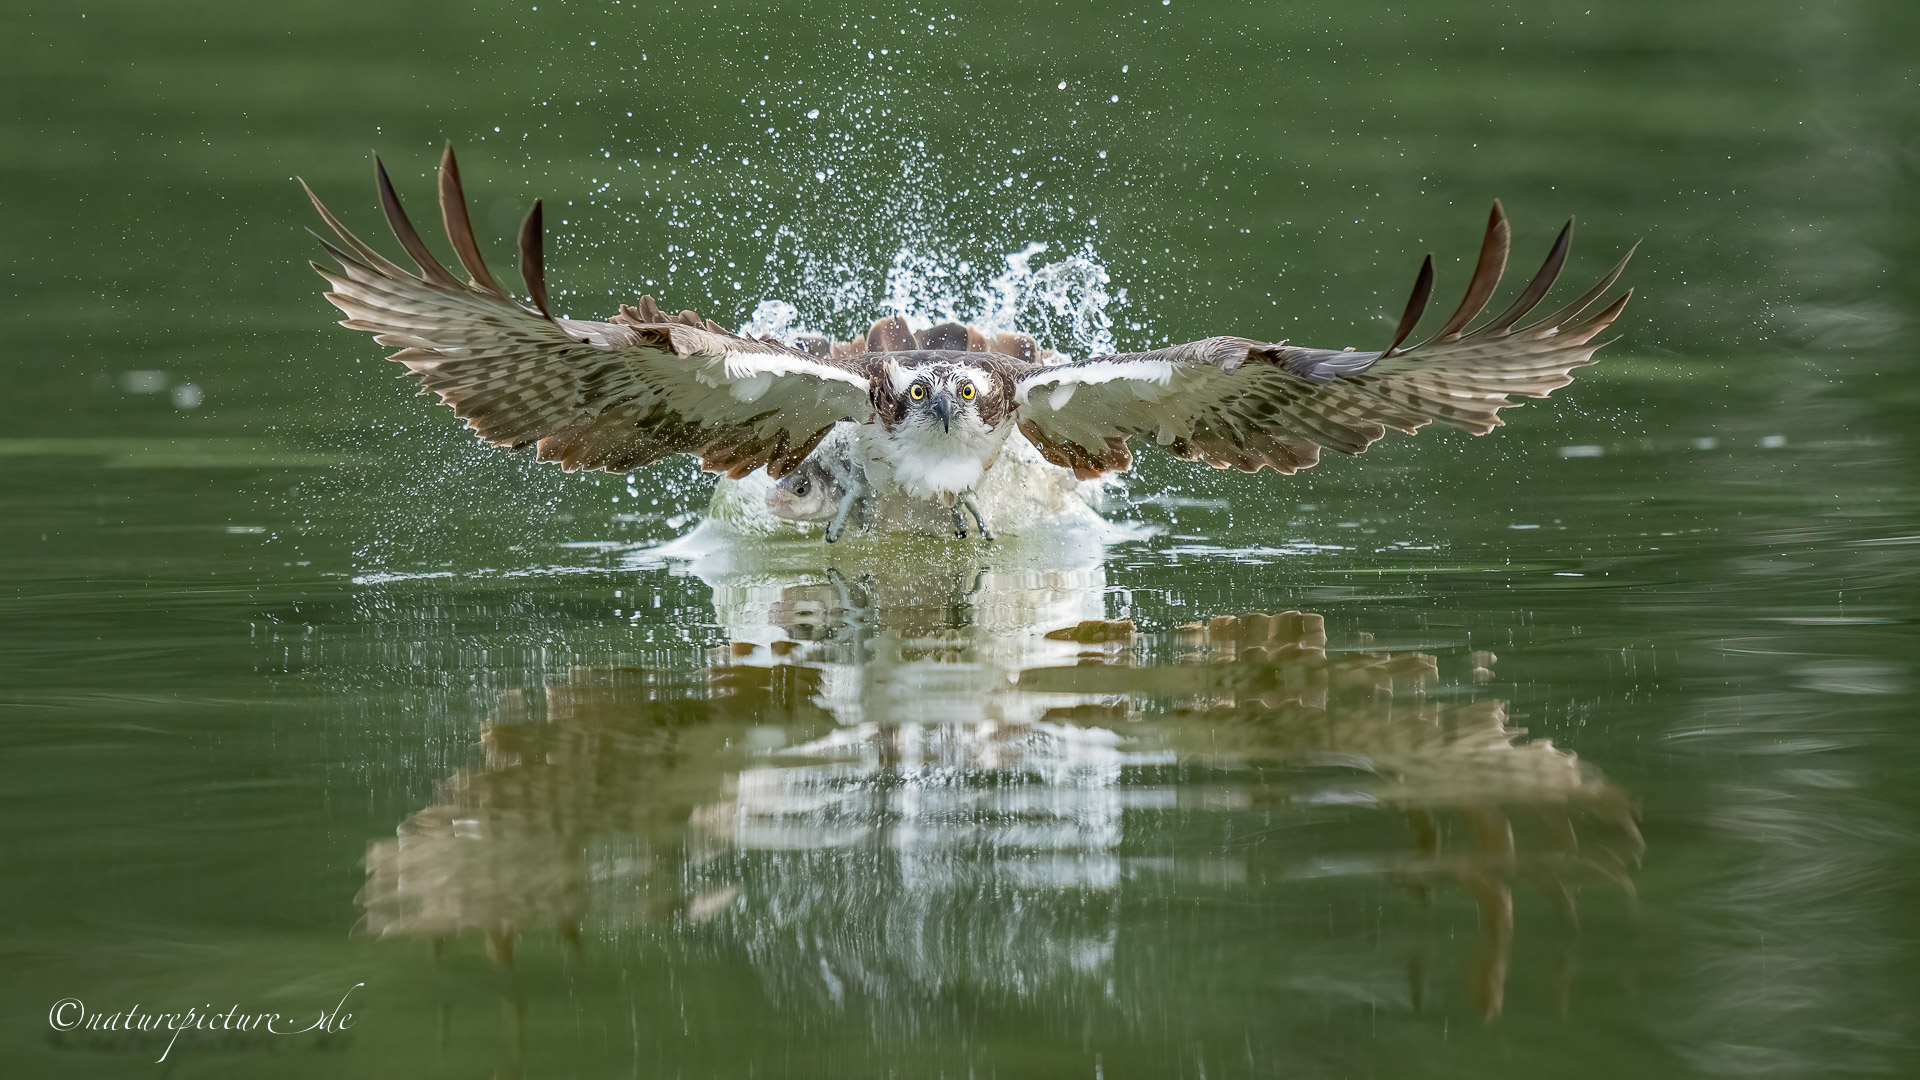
<point x="933" y="409"/>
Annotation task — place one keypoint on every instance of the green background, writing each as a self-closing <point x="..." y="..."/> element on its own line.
<point x="246" y="639"/>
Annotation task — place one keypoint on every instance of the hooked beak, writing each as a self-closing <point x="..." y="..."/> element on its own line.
<point x="943" y="408"/>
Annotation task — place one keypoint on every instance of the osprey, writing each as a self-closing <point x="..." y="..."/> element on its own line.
<point x="933" y="409"/>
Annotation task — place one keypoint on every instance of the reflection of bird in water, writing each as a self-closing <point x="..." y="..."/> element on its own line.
<point x="1485" y="808"/>
<point x="933" y="412"/>
<point x="789" y="804"/>
<point x="528" y="840"/>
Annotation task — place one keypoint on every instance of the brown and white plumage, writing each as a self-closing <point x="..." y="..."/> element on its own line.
<point x="1234" y="402"/>
<point x="644" y="385"/>
<point x="611" y="395"/>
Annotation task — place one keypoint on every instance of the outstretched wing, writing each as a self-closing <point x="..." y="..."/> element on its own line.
<point x="610" y="395"/>
<point x="1234" y="402"/>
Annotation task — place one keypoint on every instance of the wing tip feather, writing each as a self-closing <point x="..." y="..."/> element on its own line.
<point x="430" y="269"/>
<point x="1416" y="305"/>
<point x="459" y="225"/>
<point x="533" y="258"/>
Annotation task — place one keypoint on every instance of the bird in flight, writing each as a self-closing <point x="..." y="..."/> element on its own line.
<point x="933" y="409"/>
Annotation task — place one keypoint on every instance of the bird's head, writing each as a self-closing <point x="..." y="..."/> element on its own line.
<point x="952" y="397"/>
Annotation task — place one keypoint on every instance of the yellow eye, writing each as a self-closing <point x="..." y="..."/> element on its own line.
<point x="966" y="391"/>
<point x="918" y="392"/>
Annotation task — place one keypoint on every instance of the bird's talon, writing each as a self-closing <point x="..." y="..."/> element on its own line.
<point x="967" y="505"/>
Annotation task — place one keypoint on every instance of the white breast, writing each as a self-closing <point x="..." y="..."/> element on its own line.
<point x="927" y="462"/>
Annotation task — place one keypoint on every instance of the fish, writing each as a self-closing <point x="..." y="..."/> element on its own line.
<point x="830" y="486"/>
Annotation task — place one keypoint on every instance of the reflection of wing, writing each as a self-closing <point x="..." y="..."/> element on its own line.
<point x="598" y="395"/>
<point x="1012" y="826"/>
<point x="1260" y="690"/>
<point x="1486" y="807"/>
<point x="560" y="824"/>
<point x="1235" y="402"/>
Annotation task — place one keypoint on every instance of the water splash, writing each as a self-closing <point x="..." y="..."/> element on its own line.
<point x="1066" y="303"/>
<point x="816" y="205"/>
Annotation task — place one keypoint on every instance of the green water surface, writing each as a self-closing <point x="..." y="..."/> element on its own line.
<point x="1583" y="749"/>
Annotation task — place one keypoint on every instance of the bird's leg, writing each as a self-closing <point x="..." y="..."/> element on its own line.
<point x="966" y="500"/>
<point x="959" y="521"/>
<point x="839" y="523"/>
<point x="839" y="583"/>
